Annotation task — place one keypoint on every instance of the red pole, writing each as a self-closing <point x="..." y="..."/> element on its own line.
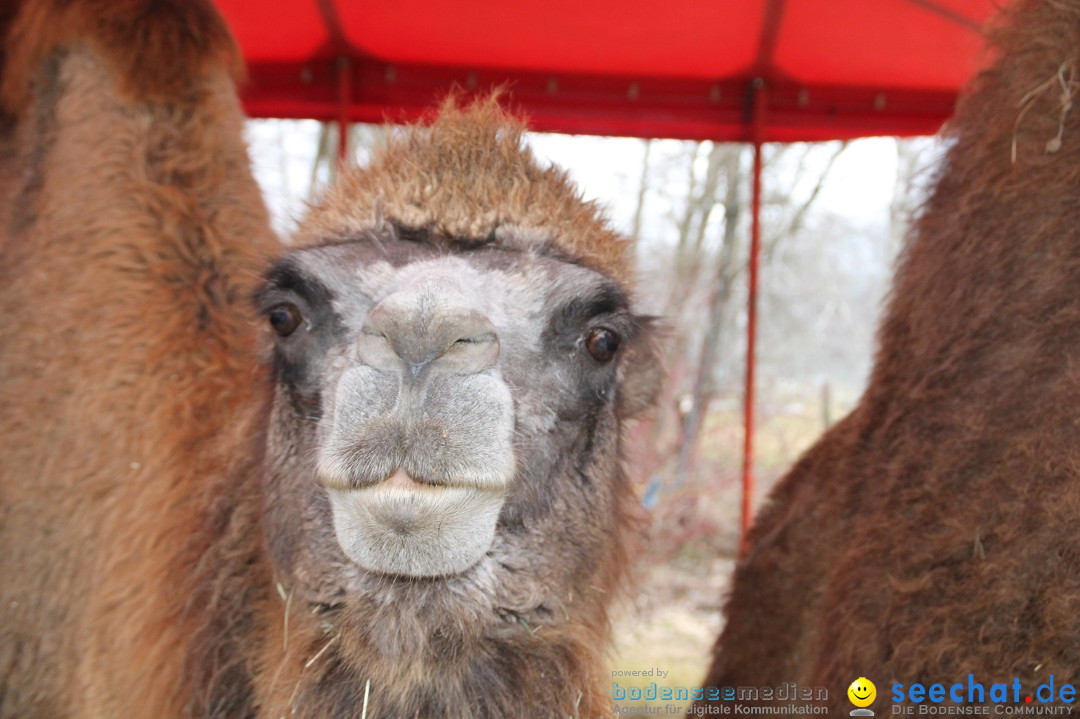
<point x="758" y="120"/>
<point x="344" y="78"/>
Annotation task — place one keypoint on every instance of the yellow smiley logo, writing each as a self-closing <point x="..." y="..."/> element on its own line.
<point x="862" y="692"/>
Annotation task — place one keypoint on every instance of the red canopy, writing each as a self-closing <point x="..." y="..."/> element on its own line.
<point x="746" y="70"/>
<point x="681" y="68"/>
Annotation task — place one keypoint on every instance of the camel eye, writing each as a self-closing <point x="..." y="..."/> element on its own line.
<point x="602" y="343"/>
<point x="284" y="318"/>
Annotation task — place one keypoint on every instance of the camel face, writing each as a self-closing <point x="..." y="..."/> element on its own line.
<point x="441" y="398"/>
<point x="455" y="360"/>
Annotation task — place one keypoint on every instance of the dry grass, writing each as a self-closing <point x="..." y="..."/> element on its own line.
<point x="670" y="628"/>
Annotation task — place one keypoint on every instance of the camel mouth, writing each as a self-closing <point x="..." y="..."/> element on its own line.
<point x="406" y="527"/>
<point x="398" y="479"/>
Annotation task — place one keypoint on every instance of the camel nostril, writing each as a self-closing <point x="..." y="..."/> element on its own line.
<point x="472" y="353"/>
<point x="477" y="339"/>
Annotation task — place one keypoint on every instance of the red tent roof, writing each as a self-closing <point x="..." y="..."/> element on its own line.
<point x="683" y="68"/>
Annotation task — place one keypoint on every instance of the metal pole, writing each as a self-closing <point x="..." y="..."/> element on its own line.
<point x="757" y="130"/>
<point x="344" y="78"/>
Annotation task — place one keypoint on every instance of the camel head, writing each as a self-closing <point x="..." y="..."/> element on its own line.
<point x="455" y="349"/>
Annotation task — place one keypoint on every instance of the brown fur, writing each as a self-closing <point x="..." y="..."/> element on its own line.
<point x="932" y="533"/>
<point x="437" y="180"/>
<point x="128" y="520"/>
<point x="154" y="49"/>
<point x="137" y="577"/>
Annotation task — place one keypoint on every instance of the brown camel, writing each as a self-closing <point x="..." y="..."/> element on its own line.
<point x="930" y="535"/>
<point x="377" y="476"/>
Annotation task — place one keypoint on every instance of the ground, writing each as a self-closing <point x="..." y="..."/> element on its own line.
<point x="670" y="627"/>
<point x="685" y="566"/>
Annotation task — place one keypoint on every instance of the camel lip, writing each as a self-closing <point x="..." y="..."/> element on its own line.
<point x="401" y="481"/>
<point x="398" y="479"/>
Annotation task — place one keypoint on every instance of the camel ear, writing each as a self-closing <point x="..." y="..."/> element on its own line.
<point x="642" y="371"/>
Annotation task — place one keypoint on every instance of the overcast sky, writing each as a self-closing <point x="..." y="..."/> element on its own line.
<point x="607" y="169"/>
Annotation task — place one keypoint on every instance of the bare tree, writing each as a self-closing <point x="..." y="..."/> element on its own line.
<point x="731" y="166"/>
<point x="643" y="191"/>
<point x="726" y="169"/>
<point x="324" y="171"/>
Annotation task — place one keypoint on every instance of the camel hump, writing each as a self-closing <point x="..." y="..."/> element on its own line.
<point x="155" y="47"/>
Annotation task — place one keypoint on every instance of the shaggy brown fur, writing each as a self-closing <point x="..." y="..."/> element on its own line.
<point x="139" y="575"/>
<point x="154" y="49"/>
<point x="436" y="181"/>
<point x="126" y="383"/>
<point x="932" y="533"/>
